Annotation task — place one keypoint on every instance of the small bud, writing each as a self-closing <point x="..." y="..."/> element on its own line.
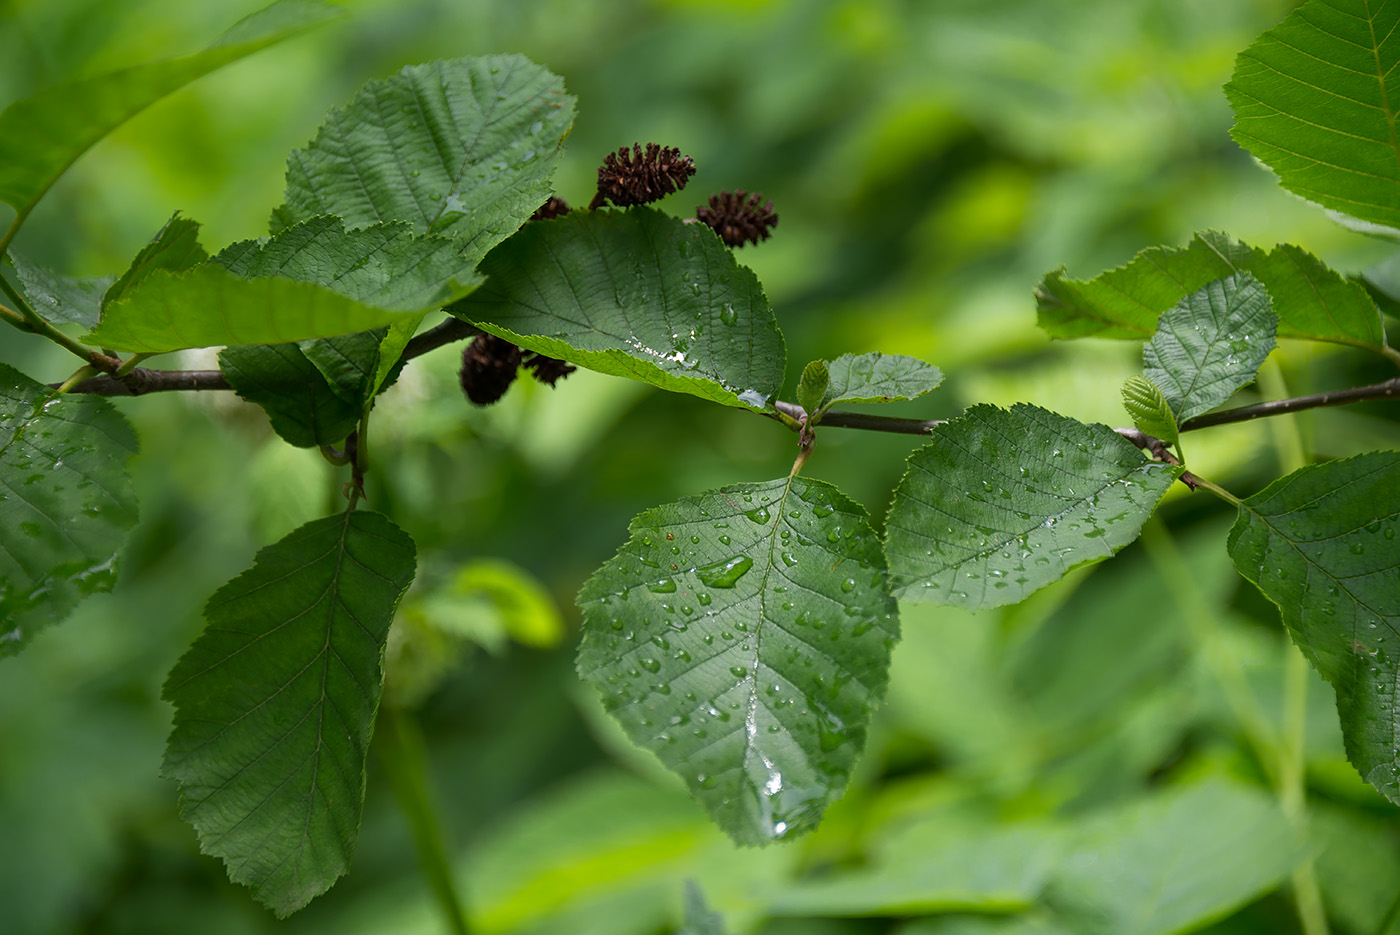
<point x="638" y="178"/>
<point x="738" y="218"/>
<point x="555" y="207"/>
<point x="489" y="364"/>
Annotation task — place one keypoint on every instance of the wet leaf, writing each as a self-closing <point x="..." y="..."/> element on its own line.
<point x="1003" y="502"/>
<point x="744" y="637"/>
<point x="878" y="378"/>
<point x="58" y="298"/>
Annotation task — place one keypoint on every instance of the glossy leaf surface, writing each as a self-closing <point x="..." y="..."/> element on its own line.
<point x="41" y="136"/>
<point x="638" y="294"/>
<point x="65" y="503"/>
<point x="303" y="408"/>
<point x="744" y="637"/>
<point x="1149" y="410"/>
<point x="58" y="298"/>
<point x="464" y="147"/>
<point x="1210" y="344"/>
<point x="1003" y="502"/>
<point x="878" y="378"/>
<point x="275" y="703"/>
<point x="1315" y="100"/>
<point x="1321" y="544"/>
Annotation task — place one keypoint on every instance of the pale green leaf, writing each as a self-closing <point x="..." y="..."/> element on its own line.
<point x="1321" y="544"/>
<point x="275" y="704"/>
<point x="391" y="348"/>
<point x="639" y="294"/>
<point x="464" y="147"/>
<point x="699" y="920"/>
<point x="40" y="137"/>
<point x="1210" y="344"/>
<point x="744" y="637"/>
<point x="811" y="389"/>
<point x="1317" y="100"/>
<point x="210" y="306"/>
<point x="65" y="503"/>
<point x="879" y="378"/>
<point x="174" y="248"/>
<point x="1148" y="409"/>
<point x="58" y="298"/>
<point x="1003" y="502"/>
<point x="302" y="407"/>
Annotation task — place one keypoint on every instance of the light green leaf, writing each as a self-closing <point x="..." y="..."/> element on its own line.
<point x="65" y="503"/>
<point x="1315" y="100"/>
<point x="464" y="147"/>
<point x="699" y="920"/>
<point x="174" y="248"/>
<point x="302" y="407"/>
<point x="1210" y="345"/>
<point x="275" y="704"/>
<point x="40" y="137"/>
<point x="1312" y="302"/>
<point x="58" y="298"/>
<point x="391" y="348"/>
<point x="1149" y="410"/>
<point x="1002" y="503"/>
<point x="879" y="378"/>
<point x="1177" y="861"/>
<point x="1321" y="544"/>
<point x="637" y="294"/>
<point x="209" y="306"/>
<point x="744" y="637"/>
<point x="811" y="389"/>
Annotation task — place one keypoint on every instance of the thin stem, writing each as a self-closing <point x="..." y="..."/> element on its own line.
<point x="1386" y="389"/>
<point x="23" y="317"/>
<point x="403" y="755"/>
<point x="1219" y="491"/>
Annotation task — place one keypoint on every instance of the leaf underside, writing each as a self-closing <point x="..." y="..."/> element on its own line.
<point x="1321" y="544"/>
<point x="66" y="503"/>
<point x="59" y="298"/>
<point x="1003" y="502"/>
<point x="304" y="409"/>
<point x="275" y="704"/>
<point x="744" y="637"/>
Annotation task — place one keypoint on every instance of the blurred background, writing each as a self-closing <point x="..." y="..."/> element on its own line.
<point x="930" y="161"/>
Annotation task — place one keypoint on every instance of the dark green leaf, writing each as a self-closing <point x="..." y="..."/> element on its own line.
<point x="1321" y="544"/>
<point x="65" y="503"/>
<point x="744" y="637"/>
<point x="1002" y="503"/>
<point x="175" y="248"/>
<point x="303" y="408"/>
<point x="464" y="148"/>
<point x="1149" y="410"/>
<point x="811" y="389"/>
<point x="63" y="299"/>
<point x="638" y="294"/>
<point x="275" y="705"/>
<point x="1210" y="345"/>
<point x="1314" y="101"/>
<point x="40" y="137"/>
<point x="348" y="362"/>
<point x="879" y="378"/>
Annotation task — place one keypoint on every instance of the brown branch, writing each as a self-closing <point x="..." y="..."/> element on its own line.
<point x="1386" y="389"/>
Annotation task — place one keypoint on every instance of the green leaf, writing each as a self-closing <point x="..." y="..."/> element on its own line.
<point x="65" y="503"/>
<point x="1321" y="544"/>
<point x="811" y="389"/>
<point x="1004" y="502"/>
<point x="699" y="920"/>
<point x="464" y="147"/>
<point x="1311" y="301"/>
<point x="275" y="704"/>
<point x="42" y="136"/>
<point x="348" y="363"/>
<point x="57" y="298"/>
<point x="1315" y="100"/>
<point x="638" y="294"/>
<point x="879" y="378"/>
<point x="302" y="407"/>
<point x="744" y="637"/>
<point x="391" y="349"/>
<point x="1148" y="409"/>
<point x="1176" y="861"/>
<point x="1210" y="344"/>
<point x="175" y="248"/>
<point x="209" y="306"/>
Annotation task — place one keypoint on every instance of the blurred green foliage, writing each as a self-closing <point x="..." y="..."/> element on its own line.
<point x="929" y="161"/>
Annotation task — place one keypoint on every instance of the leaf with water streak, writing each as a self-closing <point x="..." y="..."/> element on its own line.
<point x="59" y="298"/>
<point x="744" y="637"/>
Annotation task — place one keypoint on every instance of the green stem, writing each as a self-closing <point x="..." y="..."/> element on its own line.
<point x="23" y="317"/>
<point x="402" y="754"/>
<point x="1216" y="489"/>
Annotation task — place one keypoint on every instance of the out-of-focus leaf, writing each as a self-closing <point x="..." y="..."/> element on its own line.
<point x="65" y="503"/>
<point x="1321" y="544"/>
<point x="744" y="637"/>
<point x="275" y="704"/>
<point x="1149" y="409"/>
<point x="1003" y="502"/>
<point x="1312" y="301"/>
<point x="58" y="298"/>
<point x="878" y="378"/>
<point x="1026" y="923"/>
<point x="464" y="148"/>
<point x="1358" y="863"/>
<point x="174" y="248"/>
<point x="699" y="920"/>
<point x="40" y="137"/>
<point x="1210" y="344"/>
<point x="638" y="294"/>
<point x="302" y="407"/>
<point x="1314" y="101"/>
